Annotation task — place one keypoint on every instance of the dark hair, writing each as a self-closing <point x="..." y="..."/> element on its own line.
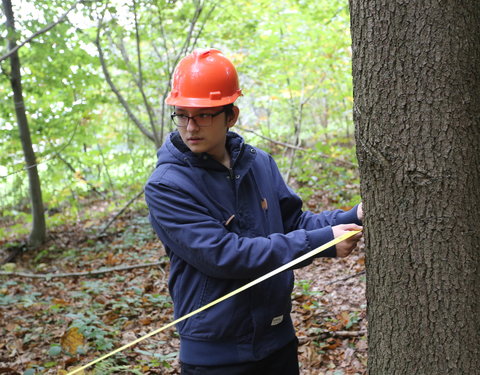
<point x="229" y="110"/>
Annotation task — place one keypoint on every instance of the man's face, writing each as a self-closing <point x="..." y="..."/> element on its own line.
<point x="210" y="138"/>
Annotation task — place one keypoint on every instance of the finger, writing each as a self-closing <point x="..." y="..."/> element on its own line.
<point x="358" y="237"/>
<point x="351" y="227"/>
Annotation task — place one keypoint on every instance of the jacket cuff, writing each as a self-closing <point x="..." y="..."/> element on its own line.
<point x="319" y="237"/>
<point x="349" y="217"/>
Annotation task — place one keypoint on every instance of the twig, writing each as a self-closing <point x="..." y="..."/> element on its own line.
<point x="14" y="252"/>
<point x="106" y="170"/>
<point x="139" y="80"/>
<point x="39" y="32"/>
<point x="114" y="88"/>
<point x="204" y="23"/>
<point x="346" y="278"/>
<point x="335" y="161"/>
<point x="348" y="333"/>
<point x="274" y="141"/>
<point x="47" y="159"/>
<point x="119" y="213"/>
<point x="70" y="167"/>
<point x="88" y="273"/>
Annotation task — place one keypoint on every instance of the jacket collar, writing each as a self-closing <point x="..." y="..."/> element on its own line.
<point x="182" y="154"/>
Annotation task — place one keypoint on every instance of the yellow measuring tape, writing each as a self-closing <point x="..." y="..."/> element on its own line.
<point x="226" y="296"/>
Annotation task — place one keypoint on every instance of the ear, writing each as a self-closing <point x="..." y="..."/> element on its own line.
<point x="232" y="120"/>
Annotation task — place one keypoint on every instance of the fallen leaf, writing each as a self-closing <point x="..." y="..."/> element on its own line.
<point x="61" y="302"/>
<point x="11" y="326"/>
<point x="343" y="318"/>
<point x="111" y="260"/>
<point x="81" y="372"/>
<point x="9" y="371"/>
<point x="332" y="343"/>
<point x="71" y="340"/>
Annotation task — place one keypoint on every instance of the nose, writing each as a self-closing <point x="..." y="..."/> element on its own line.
<point x="191" y="124"/>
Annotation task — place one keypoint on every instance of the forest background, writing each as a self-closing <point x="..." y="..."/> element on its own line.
<point x="94" y="87"/>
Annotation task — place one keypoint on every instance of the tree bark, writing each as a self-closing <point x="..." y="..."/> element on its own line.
<point x="38" y="232"/>
<point x="416" y="73"/>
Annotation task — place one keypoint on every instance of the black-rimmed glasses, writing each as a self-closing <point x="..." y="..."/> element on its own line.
<point x="201" y="119"/>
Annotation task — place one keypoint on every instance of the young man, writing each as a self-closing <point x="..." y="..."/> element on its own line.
<point x="226" y="217"/>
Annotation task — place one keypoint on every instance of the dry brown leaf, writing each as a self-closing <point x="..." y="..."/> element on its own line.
<point x="111" y="317"/>
<point x="343" y="318"/>
<point x="71" y="340"/>
<point x="111" y="260"/>
<point x="11" y="326"/>
<point x="81" y="372"/>
<point x="332" y="343"/>
<point x="61" y="302"/>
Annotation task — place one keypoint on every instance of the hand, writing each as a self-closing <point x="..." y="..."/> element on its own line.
<point x="345" y="247"/>
<point x="360" y="211"/>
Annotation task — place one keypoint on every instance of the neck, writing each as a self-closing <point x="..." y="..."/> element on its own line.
<point x="225" y="159"/>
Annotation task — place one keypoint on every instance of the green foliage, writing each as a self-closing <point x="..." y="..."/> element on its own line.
<point x="93" y="328"/>
<point x="354" y="319"/>
<point x="327" y="169"/>
<point x="306" y="288"/>
<point x="109" y="366"/>
<point x="293" y="58"/>
<point x="304" y="291"/>
<point x="157" y="359"/>
<point x="54" y="350"/>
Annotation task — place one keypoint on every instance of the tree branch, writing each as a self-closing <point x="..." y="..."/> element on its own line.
<point x="298" y="148"/>
<point x="119" y="213"/>
<point x="49" y="276"/>
<point x="70" y="167"/>
<point x="203" y="24"/>
<point x="164" y="40"/>
<point x="39" y="32"/>
<point x="120" y="98"/>
<point x="287" y="145"/>
<point x="346" y="278"/>
<point x="193" y="22"/>
<point x="346" y="333"/>
<point x="140" y="78"/>
<point x="46" y="159"/>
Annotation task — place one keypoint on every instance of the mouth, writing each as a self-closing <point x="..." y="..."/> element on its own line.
<point x="194" y="139"/>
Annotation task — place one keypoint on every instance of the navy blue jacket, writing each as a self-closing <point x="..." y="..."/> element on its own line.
<point x="223" y="228"/>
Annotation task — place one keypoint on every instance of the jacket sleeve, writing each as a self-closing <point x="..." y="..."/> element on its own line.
<point x="294" y="218"/>
<point x="188" y="229"/>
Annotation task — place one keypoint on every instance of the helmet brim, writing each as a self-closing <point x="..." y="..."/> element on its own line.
<point x="201" y="102"/>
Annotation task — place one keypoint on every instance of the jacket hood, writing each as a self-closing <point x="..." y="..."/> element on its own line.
<point x="174" y="151"/>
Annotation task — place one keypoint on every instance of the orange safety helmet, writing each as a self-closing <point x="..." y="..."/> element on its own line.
<point x="205" y="78"/>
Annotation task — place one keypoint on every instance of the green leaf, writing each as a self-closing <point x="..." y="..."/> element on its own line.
<point x="54" y="350"/>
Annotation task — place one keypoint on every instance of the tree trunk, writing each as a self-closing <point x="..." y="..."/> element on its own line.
<point x="416" y="72"/>
<point x="38" y="232"/>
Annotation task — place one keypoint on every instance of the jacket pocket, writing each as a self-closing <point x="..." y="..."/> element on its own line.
<point x="230" y="318"/>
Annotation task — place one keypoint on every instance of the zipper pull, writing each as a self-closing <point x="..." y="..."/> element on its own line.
<point x="264" y="204"/>
<point x="228" y="221"/>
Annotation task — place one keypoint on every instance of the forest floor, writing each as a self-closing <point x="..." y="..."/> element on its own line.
<point x="49" y="325"/>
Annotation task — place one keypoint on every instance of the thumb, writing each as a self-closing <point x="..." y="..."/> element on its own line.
<point x="352" y="227"/>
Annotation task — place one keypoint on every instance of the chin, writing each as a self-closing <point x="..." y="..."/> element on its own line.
<point x="197" y="150"/>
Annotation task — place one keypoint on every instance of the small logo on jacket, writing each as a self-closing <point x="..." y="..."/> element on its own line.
<point x="277" y="320"/>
